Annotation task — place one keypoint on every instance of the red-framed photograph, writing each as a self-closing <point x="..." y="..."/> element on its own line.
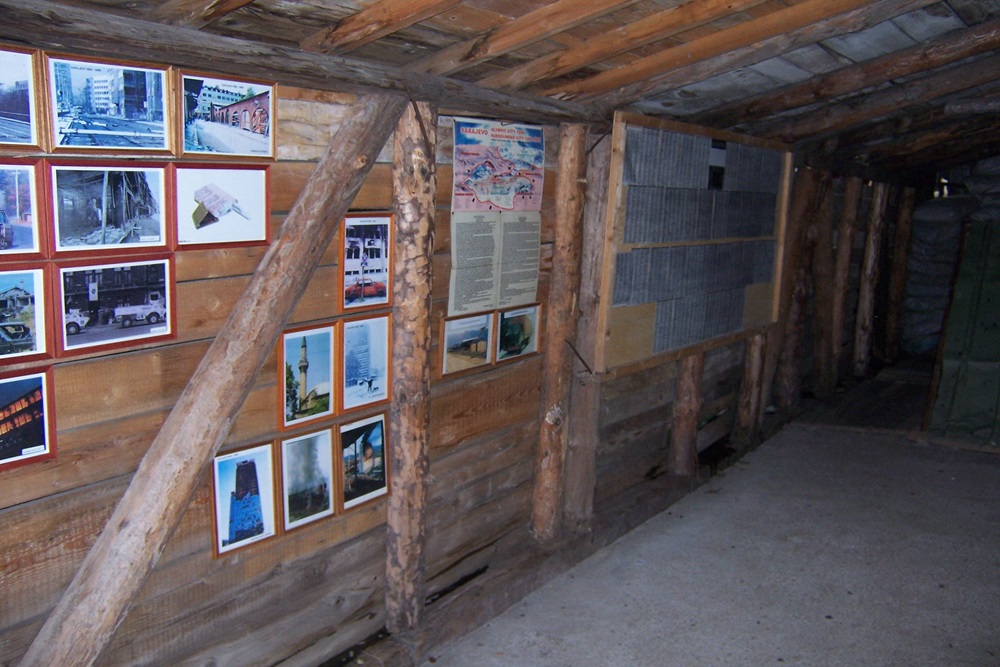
<point x="221" y="204"/>
<point x="115" y="304"/>
<point x="227" y="118"/>
<point x="365" y="261"/>
<point x="466" y="342"/>
<point x="22" y="232"/>
<point x="20" y="79"/>
<point x="24" y="314"/>
<point x="243" y="489"/>
<point x="365" y="361"/>
<point x="307" y="476"/>
<point x="517" y="333"/>
<point x="306" y="375"/>
<point x="364" y="457"/>
<point x="27" y="418"/>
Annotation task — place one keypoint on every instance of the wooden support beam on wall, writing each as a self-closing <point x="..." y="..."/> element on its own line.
<point x="687" y="406"/>
<point x="414" y="180"/>
<point x="750" y="407"/>
<point x="114" y="570"/>
<point x="842" y="267"/>
<point x="897" y="275"/>
<point x="821" y="236"/>
<point x="546" y="513"/>
<point x="864" y="325"/>
<point x="585" y="395"/>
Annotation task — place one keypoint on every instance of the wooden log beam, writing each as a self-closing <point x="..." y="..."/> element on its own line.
<point x="525" y="30"/>
<point x="687" y="407"/>
<point x="750" y="408"/>
<point x="47" y="25"/>
<point x="945" y="50"/>
<point x="585" y="395"/>
<point x="735" y="58"/>
<point x="114" y="570"/>
<point x="972" y="107"/>
<point x="414" y="180"/>
<point x="373" y="22"/>
<point x="546" y="509"/>
<point x="897" y="274"/>
<point x="703" y="48"/>
<point x="865" y="322"/>
<point x="842" y="268"/>
<point x="822" y="292"/>
<point x="195" y="13"/>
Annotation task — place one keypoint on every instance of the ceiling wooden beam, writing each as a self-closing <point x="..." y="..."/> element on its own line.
<point x="93" y="33"/>
<point x="971" y="107"/>
<point x="373" y="22"/>
<point x="974" y="144"/>
<point x="930" y="139"/>
<point x="661" y="25"/>
<point x="848" y="22"/>
<point x="889" y="102"/>
<point x="532" y="27"/>
<point x="948" y="49"/>
<point x="703" y="48"/>
<point x="195" y="13"/>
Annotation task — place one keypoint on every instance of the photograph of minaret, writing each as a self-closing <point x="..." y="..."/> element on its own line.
<point x="307" y="371"/>
<point x="244" y="497"/>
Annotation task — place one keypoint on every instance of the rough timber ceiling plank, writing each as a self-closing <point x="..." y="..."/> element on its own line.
<point x="945" y="50"/>
<point x="628" y="37"/>
<point x="196" y="13"/>
<point x="372" y="23"/>
<point x="874" y="42"/>
<point x="742" y="35"/>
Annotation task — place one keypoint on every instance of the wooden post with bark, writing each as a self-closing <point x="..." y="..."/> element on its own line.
<point x="561" y="320"/>
<point x="414" y="182"/>
<point x="114" y="570"/>
<point x="822" y="291"/>
<point x="897" y="277"/>
<point x="687" y="407"/>
<point x="863" y="329"/>
<point x="750" y="405"/>
<point x="842" y="267"/>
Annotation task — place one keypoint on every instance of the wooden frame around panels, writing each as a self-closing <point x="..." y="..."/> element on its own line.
<point x="25" y="314"/>
<point x="27" y="418"/>
<point x="22" y="129"/>
<point x="365" y="373"/>
<point x="614" y="242"/>
<point x="366" y="261"/>
<point x="241" y="517"/>
<point x="89" y="216"/>
<point x="364" y="481"/>
<point x="112" y="304"/>
<point x="23" y="230"/>
<point x="308" y="478"/>
<point x="109" y="120"/>
<point x="220" y="205"/>
<point x="518" y="332"/>
<point x="307" y="354"/>
<point x="467" y="342"/>
<point x="223" y="118"/>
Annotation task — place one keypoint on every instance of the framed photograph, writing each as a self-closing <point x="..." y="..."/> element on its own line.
<point x="244" y="497"/>
<point x="18" y="100"/>
<point x="225" y="118"/>
<point x="115" y="304"/>
<point x="23" y="335"/>
<point x="27" y="418"/>
<point x="20" y="231"/>
<point x="307" y="478"/>
<point x="104" y="207"/>
<point x="108" y="106"/>
<point x="217" y="204"/>
<point x="365" y="347"/>
<point x="363" y="446"/>
<point x="517" y="333"/>
<point x="367" y="240"/>
<point x="468" y="343"/>
<point x="305" y="374"/>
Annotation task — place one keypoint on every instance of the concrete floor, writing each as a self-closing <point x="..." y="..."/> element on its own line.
<point x="826" y="546"/>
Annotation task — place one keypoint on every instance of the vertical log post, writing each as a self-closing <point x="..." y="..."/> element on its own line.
<point x="749" y="407"/>
<point x="560" y="321"/>
<point x="842" y="268"/>
<point x="121" y="559"/>
<point x="865" y="323"/>
<point x="414" y="182"/>
<point x="687" y="407"/>
<point x="897" y="277"/>
<point x="822" y="290"/>
<point x="585" y="393"/>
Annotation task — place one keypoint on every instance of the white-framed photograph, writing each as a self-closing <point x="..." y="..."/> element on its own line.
<point x="226" y="117"/>
<point x="27" y="418"/>
<point x="517" y="333"/>
<point x="307" y="478"/>
<point x="306" y="378"/>
<point x="103" y="207"/>
<point x="108" y="106"/>
<point x="467" y="342"/>
<point x="365" y="260"/>
<point x="22" y="314"/>
<point x="18" y="110"/>
<point x="20" y="232"/>
<point x="364" y="457"/>
<point x="365" y="353"/>
<point x="217" y="204"/>
<point x="244" y="497"/>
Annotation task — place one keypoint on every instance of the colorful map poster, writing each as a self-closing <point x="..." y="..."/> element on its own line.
<point x="495" y="221"/>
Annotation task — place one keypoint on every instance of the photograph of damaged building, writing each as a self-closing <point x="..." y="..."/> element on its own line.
<point x="761" y="423"/>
